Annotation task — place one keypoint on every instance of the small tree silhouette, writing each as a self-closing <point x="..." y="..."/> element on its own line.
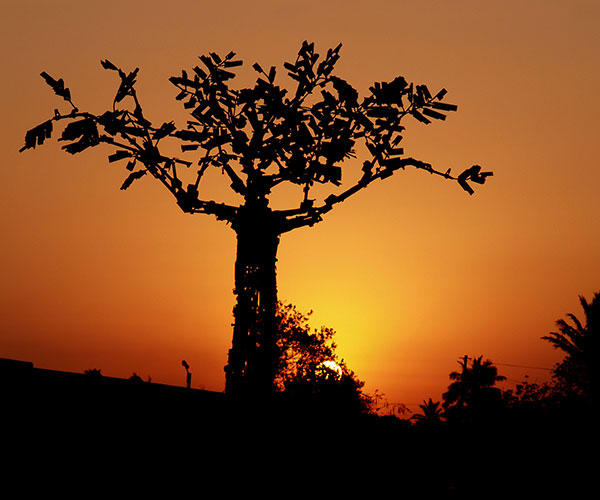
<point x="432" y="413"/>
<point x="308" y="366"/>
<point x="259" y="137"/>
<point x="299" y="349"/>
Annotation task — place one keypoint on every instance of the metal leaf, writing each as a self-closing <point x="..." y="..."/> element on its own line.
<point x="132" y="177"/>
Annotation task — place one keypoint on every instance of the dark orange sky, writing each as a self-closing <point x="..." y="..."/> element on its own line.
<point x="411" y="273"/>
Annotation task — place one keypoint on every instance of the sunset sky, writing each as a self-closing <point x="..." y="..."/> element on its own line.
<point x="411" y="273"/>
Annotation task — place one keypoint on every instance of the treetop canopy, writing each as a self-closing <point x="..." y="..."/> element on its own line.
<point x="259" y="136"/>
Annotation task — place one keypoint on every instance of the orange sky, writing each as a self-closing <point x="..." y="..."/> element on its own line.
<point x="411" y="273"/>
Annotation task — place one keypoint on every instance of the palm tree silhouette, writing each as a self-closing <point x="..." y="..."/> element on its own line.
<point x="472" y="394"/>
<point x="579" y="341"/>
<point x="432" y="413"/>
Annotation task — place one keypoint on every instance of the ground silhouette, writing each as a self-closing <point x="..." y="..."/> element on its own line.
<point x="536" y="441"/>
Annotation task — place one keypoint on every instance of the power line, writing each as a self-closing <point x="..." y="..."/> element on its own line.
<point x="523" y="366"/>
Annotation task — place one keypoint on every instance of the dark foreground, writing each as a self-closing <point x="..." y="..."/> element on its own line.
<point x="60" y="429"/>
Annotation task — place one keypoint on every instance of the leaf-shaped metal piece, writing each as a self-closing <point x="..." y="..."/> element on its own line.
<point x="420" y="117"/>
<point x="164" y="130"/>
<point x="232" y="64"/>
<point x="132" y="177"/>
<point x="127" y="83"/>
<point x="106" y="64"/>
<point x="346" y="92"/>
<point x="473" y="174"/>
<point x="57" y="85"/>
<point x="119" y="155"/>
<point x="77" y="128"/>
<point x="37" y="135"/>
<point x="433" y="114"/>
<point x="443" y="106"/>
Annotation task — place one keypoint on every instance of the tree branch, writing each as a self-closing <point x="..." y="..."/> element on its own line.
<point x="309" y="216"/>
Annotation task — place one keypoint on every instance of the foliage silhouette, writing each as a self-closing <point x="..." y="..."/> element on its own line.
<point x="259" y="138"/>
<point x="536" y="404"/>
<point x="532" y="393"/>
<point x="432" y="413"/>
<point x="472" y="397"/>
<point x="577" y="374"/>
<point x="298" y="346"/>
<point x="308" y="367"/>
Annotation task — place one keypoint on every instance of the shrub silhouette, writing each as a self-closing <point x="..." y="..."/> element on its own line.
<point x="308" y="367"/>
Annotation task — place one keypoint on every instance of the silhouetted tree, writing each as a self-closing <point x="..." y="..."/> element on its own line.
<point x="578" y="373"/>
<point x="259" y="137"/>
<point x="298" y="346"/>
<point x="472" y="395"/>
<point x="94" y="372"/>
<point x="532" y="392"/>
<point x="432" y="413"/>
<point x="532" y="402"/>
<point x="309" y="368"/>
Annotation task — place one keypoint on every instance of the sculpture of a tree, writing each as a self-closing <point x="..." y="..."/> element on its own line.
<point x="260" y="137"/>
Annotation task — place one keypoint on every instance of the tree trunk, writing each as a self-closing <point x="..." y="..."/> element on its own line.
<point x="253" y="354"/>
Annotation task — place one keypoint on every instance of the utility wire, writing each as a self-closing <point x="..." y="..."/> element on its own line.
<point x="523" y="366"/>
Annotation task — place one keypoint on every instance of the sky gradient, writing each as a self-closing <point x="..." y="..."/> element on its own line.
<point x="412" y="272"/>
